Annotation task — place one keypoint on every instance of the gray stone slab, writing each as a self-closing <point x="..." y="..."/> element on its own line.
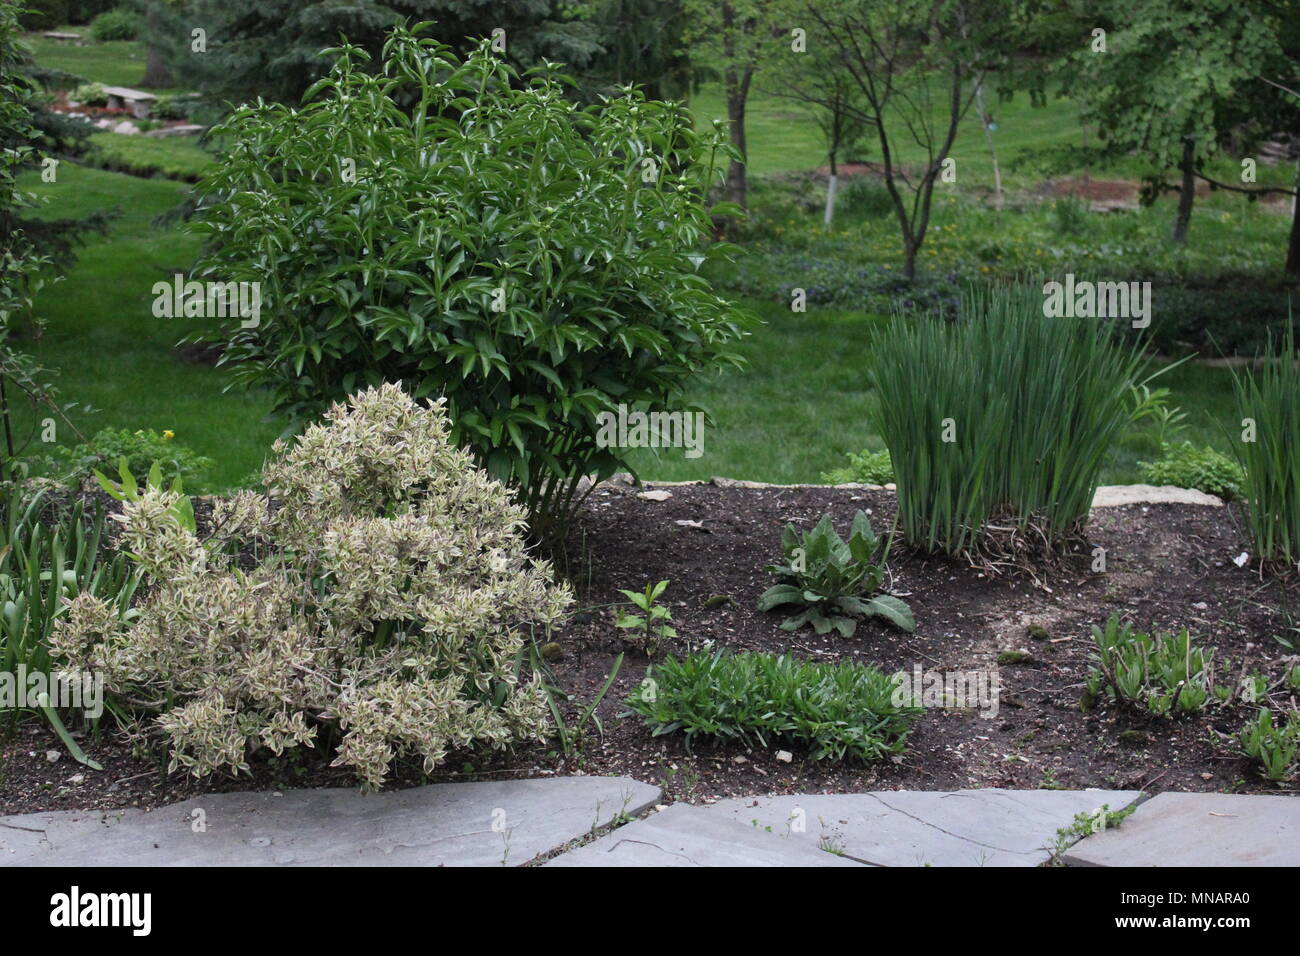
<point x="685" y="835"/>
<point x="454" y="824"/>
<point x="929" y="828"/>
<point x="1199" y="829"/>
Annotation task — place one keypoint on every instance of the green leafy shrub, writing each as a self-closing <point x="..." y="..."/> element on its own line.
<point x="838" y="711"/>
<point x="43" y="14"/>
<point x="1164" y="674"/>
<point x="1071" y="217"/>
<point x="1274" y="746"/>
<point x="115" y="25"/>
<point x="1187" y="466"/>
<point x="84" y="11"/>
<point x="1220" y="315"/>
<point x="535" y="264"/>
<point x="865" y="196"/>
<point x="646" y="635"/>
<point x="141" y="448"/>
<point x="374" y="606"/>
<point x="1005" y="416"/>
<point x="865" y="468"/>
<point x="833" y="581"/>
<point x="89" y="94"/>
<point x="1268" y="408"/>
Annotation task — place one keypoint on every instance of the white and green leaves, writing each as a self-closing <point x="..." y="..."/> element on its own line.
<point x="834" y="581"/>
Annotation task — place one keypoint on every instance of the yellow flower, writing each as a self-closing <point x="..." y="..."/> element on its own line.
<point x="168" y="435"/>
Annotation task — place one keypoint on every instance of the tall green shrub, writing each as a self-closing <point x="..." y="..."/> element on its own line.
<point x="465" y="231"/>
<point x="1004" y="416"/>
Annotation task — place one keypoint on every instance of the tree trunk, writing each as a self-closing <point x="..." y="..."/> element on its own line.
<point x="985" y="120"/>
<point x="830" y="192"/>
<point x="737" y="94"/>
<point x="1186" y="195"/>
<point x="1293" y="243"/>
<point x="156" y="74"/>
<point x="1293" y="247"/>
<point x="910" y="250"/>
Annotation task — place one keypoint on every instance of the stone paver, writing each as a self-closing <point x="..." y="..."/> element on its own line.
<point x="1199" y="829"/>
<point x="685" y="835"/>
<point x="454" y="824"/>
<point x="929" y="828"/>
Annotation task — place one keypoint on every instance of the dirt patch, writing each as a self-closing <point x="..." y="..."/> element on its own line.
<point x="1168" y="566"/>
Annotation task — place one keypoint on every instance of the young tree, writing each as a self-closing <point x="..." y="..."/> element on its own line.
<point x="735" y="35"/>
<point x="813" y="76"/>
<point x="1170" y="81"/>
<point x="917" y="65"/>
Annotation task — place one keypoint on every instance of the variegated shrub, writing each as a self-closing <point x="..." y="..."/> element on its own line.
<point x="373" y="601"/>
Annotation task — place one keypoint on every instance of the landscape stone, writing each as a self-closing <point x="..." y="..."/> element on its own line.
<point x="686" y="835"/>
<point x="1198" y="829"/>
<point x="452" y="824"/>
<point x="1112" y="496"/>
<point x="928" y="828"/>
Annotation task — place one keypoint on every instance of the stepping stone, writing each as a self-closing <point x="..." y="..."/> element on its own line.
<point x="507" y="822"/>
<point x="929" y="828"/>
<point x="686" y="835"/>
<point x="1198" y="829"/>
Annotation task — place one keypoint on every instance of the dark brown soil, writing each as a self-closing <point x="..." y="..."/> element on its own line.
<point x="1169" y="566"/>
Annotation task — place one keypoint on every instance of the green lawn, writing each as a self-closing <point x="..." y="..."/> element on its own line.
<point x="109" y="350"/>
<point x="783" y="137"/>
<point x="116" y="63"/>
<point x="793" y="414"/>
<point x="798" y="409"/>
<point x="802" y="405"/>
<point x="172" y="157"/>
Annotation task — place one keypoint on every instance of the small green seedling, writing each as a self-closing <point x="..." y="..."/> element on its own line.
<point x="653" y="627"/>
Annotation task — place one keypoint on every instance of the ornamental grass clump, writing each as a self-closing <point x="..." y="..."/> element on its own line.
<point x="1268" y="449"/>
<point x="998" y="424"/>
<point x="372" y="605"/>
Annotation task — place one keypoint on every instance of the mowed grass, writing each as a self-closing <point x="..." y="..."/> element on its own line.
<point x="783" y="136"/>
<point x="110" y="352"/>
<point x="803" y="404"/>
<point x="172" y="157"/>
<point x="794" y="413"/>
<point x="114" y="63"/>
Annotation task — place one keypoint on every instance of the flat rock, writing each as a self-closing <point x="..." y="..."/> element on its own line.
<point x="928" y="828"/>
<point x="183" y="129"/>
<point x="686" y="835"/>
<point x="1199" y="829"/>
<point x="1112" y="496"/>
<point x="507" y="822"/>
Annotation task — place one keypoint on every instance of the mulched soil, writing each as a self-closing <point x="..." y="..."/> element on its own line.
<point x="1169" y="566"/>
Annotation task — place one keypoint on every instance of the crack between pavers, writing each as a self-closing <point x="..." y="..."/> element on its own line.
<point x="656" y="846"/>
<point x="958" y="836"/>
<point x="10" y="826"/>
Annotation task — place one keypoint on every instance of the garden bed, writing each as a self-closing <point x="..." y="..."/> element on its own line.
<point x="1169" y="566"/>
